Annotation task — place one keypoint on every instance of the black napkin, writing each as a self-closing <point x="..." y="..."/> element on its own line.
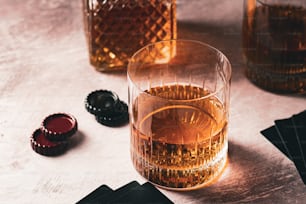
<point x="289" y="136"/>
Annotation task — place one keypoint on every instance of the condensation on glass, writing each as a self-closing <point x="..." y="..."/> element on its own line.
<point x="117" y="29"/>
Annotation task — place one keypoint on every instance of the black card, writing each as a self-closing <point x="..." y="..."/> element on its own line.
<point x="118" y="192"/>
<point x="100" y="191"/>
<point x="286" y="130"/>
<point x="272" y="135"/>
<point x="146" y="193"/>
<point x="299" y="164"/>
<point x="299" y="122"/>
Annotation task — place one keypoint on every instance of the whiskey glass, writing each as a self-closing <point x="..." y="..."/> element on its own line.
<point x="274" y="44"/>
<point x="179" y="107"/>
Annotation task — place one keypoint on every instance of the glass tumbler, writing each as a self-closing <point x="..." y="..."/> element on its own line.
<point x="179" y="107"/>
<point x="274" y="44"/>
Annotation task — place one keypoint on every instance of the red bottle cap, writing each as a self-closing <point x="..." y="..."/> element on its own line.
<point x="43" y="146"/>
<point x="59" y="126"/>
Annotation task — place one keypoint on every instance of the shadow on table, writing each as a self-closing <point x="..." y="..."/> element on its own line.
<point x="77" y="139"/>
<point x="250" y="178"/>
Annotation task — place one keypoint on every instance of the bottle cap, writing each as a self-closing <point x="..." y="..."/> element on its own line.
<point x="102" y="102"/>
<point x="118" y="117"/>
<point x="59" y="126"/>
<point x="43" y="146"/>
<point x="107" y="107"/>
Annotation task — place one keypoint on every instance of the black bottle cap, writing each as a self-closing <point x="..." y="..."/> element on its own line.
<point x="43" y="146"/>
<point x="59" y="126"/>
<point x="102" y="102"/>
<point x="107" y="107"/>
<point x="119" y="117"/>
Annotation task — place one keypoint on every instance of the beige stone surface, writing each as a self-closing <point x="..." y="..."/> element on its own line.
<point x="44" y="69"/>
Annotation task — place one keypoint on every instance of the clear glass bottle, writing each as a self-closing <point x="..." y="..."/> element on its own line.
<point x="274" y="44"/>
<point x="116" y="29"/>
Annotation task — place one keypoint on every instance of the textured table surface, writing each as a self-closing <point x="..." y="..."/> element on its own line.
<point x="44" y="69"/>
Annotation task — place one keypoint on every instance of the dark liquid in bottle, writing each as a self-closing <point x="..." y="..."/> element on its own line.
<point x="274" y="41"/>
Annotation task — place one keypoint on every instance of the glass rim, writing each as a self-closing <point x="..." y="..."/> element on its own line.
<point x="226" y="77"/>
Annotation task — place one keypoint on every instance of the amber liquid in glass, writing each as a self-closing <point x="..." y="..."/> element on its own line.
<point x="117" y="29"/>
<point x="274" y="38"/>
<point x="182" y="144"/>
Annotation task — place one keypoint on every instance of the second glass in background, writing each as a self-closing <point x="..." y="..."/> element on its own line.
<point x="274" y="42"/>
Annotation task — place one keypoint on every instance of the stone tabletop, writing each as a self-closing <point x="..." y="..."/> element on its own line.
<point x="44" y="69"/>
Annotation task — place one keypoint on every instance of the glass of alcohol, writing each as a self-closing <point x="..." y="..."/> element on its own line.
<point x="179" y="107"/>
<point x="274" y="44"/>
